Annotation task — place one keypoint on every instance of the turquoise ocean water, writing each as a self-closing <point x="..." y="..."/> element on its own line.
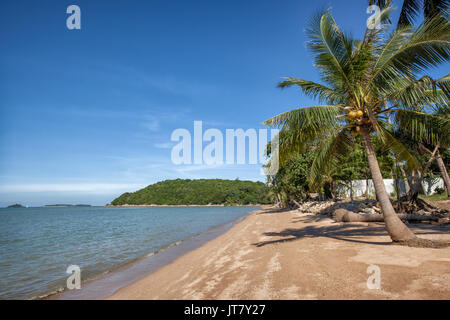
<point x="38" y="244"/>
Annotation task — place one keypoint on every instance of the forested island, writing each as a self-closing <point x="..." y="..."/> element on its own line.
<point x="198" y="192"/>
<point x="16" y="205"/>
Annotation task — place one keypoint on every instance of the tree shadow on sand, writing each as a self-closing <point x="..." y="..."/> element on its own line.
<point x="344" y="232"/>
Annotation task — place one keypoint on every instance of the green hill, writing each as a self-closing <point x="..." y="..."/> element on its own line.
<point x="198" y="192"/>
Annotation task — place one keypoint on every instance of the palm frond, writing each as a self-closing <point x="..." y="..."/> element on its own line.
<point x="293" y="143"/>
<point x="314" y="90"/>
<point x="410" y="10"/>
<point x="330" y="48"/>
<point x="408" y="53"/>
<point x="381" y="3"/>
<point x="424" y="127"/>
<point x="316" y="117"/>
<point x="444" y="84"/>
<point x="443" y="111"/>
<point x="330" y="152"/>
<point x="302" y="126"/>
<point x="412" y="94"/>
<point x="389" y="142"/>
<point x="433" y="7"/>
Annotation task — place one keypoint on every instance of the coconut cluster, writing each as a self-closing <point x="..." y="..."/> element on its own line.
<point x="355" y="116"/>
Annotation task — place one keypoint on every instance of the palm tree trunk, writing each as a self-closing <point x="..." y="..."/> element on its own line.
<point x="444" y="173"/>
<point x="418" y="184"/>
<point x="351" y="190"/>
<point x="397" y="186"/>
<point x="333" y="194"/>
<point x="397" y="230"/>
<point x="367" y="185"/>
<point x="280" y="201"/>
<point x="405" y="178"/>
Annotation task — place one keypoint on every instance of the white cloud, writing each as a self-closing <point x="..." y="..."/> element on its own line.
<point x="201" y="167"/>
<point x="166" y="145"/>
<point x="97" y="188"/>
<point x="152" y="125"/>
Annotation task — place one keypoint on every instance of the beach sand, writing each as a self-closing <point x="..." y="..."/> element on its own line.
<point x="274" y="254"/>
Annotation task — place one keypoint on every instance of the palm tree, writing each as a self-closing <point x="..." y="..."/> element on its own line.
<point x="363" y="81"/>
<point x="411" y="9"/>
<point x="410" y="126"/>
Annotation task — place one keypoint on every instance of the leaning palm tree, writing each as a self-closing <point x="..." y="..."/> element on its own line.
<point x="364" y="83"/>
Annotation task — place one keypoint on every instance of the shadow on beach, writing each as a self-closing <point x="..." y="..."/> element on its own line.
<point x="351" y="232"/>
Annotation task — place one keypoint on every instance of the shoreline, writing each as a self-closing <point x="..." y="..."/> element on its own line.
<point x="109" y="282"/>
<point x="279" y="254"/>
<point x="180" y="205"/>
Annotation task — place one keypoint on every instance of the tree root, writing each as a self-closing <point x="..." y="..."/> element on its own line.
<point x="422" y="243"/>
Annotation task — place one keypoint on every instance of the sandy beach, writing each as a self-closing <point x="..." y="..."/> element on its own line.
<point x="275" y="254"/>
<point x="176" y="205"/>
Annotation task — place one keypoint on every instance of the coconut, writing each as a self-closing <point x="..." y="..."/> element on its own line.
<point x="352" y="114"/>
<point x="359" y="113"/>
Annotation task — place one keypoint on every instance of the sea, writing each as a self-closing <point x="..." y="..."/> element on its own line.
<point x="41" y="247"/>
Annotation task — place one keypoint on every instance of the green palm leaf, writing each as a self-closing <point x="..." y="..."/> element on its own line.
<point x="315" y="118"/>
<point x="406" y="53"/>
<point x="423" y="127"/>
<point x="330" y="49"/>
<point x="418" y="93"/>
<point x="400" y="151"/>
<point x="314" y="90"/>
<point x="329" y="152"/>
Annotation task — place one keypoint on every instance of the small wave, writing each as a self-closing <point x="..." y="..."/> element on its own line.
<point x="173" y="244"/>
<point x="48" y="294"/>
<point x="176" y="243"/>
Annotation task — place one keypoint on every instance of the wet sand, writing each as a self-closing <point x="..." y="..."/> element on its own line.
<point x="275" y="254"/>
<point x="176" y="205"/>
<point x="108" y="283"/>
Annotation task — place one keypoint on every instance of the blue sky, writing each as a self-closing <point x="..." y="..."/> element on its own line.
<point x="87" y="114"/>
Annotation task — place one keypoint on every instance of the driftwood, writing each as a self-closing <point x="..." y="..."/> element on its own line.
<point x="296" y="203"/>
<point x="342" y="215"/>
<point x="414" y="206"/>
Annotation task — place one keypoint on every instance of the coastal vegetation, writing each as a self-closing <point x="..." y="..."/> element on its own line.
<point x="198" y="192"/>
<point x="376" y="104"/>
